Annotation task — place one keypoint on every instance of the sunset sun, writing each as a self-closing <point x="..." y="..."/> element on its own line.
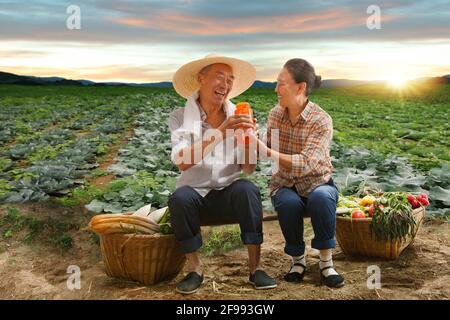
<point x="397" y="82"/>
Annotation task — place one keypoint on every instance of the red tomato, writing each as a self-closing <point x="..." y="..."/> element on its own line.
<point x="358" y="214"/>
<point x="371" y="210"/>
<point x="415" y="204"/>
<point x="423" y="199"/>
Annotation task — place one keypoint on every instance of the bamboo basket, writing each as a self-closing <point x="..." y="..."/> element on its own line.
<point x="355" y="237"/>
<point x="148" y="259"/>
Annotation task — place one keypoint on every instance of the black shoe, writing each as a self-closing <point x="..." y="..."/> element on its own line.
<point x="295" y="276"/>
<point x="261" y="280"/>
<point x="333" y="281"/>
<point x="190" y="283"/>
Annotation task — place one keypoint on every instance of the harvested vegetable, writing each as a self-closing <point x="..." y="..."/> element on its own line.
<point x="141" y="222"/>
<point x="391" y="212"/>
<point x="164" y="223"/>
<point x="157" y="215"/>
<point x="358" y="214"/>
<point x="395" y="221"/>
<point x="122" y="223"/>
<point x="367" y="200"/>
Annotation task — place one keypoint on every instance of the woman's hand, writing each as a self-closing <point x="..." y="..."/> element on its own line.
<point x="256" y="142"/>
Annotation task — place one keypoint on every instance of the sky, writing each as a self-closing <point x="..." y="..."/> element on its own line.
<point x="147" y="41"/>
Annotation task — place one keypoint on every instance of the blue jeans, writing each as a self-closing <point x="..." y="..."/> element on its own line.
<point x="320" y="205"/>
<point x="240" y="202"/>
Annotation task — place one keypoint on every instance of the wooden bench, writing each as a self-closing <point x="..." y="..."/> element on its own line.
<point x="268" y="217"/>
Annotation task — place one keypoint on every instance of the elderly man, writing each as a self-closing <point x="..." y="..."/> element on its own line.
<point x="209" y="188"/>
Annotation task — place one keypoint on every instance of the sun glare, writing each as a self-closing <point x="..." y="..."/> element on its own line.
<point x="397" y="82"/>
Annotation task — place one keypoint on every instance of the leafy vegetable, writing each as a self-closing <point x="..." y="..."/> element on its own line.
<point x="395" y="221"/>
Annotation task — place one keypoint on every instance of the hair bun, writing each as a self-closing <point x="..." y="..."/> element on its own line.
<point x="317" y="81"/>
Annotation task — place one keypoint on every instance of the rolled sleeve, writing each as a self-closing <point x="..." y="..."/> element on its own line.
<point x="177" y="146"/>
<point x="267" y="137"/>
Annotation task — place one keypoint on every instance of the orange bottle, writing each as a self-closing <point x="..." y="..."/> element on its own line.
<point x="243" y="108"/>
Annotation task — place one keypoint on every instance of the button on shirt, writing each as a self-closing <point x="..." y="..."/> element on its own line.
<point x="308" y="141"/>
<point x="218" y="170"/>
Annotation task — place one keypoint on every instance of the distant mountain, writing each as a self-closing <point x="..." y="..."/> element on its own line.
<point x="443" y="79"/>
<point x="262" y="84"/>
<point x="86" y="82"/>
<point x="325" y="83"/>
<point x="6" y="77"/>
<point x="344" y="83"/>
<point x="11" y="78"/>
<point x="46" y="79"/>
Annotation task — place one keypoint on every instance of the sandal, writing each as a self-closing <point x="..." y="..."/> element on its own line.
<point x="295" y="276"/>
<point x="332" y="281"/>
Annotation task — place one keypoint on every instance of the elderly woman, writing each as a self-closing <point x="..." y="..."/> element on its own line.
<point x="302" y="186"/>
<point x="209" y="188"/>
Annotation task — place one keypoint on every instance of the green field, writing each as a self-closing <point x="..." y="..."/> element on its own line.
<point x="53" y="140"/>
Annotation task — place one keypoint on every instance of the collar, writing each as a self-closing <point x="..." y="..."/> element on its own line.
<point x="203" y="114"/>
<point x="305" y="113"/>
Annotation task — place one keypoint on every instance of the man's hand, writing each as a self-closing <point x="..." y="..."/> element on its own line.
<point x="234" y="122"/>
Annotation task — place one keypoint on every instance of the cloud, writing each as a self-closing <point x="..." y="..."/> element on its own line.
<point x="143" y="73"/>
<point x="101" y="73"/>
<point x="231" y="22"/>
<point x="208" y="26"/>
<point x="117" y="38"/>
<point x="20" y="53"/>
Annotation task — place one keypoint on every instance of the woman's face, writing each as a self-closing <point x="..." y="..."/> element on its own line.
<point x="287" y="90"/>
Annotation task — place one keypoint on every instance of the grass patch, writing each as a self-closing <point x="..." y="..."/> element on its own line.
<point x="29" y="229"/>
<point x="94" y="238"/>
<point x="63" y="241"/>
<point x="99" y="172"/>
<point x="222" y="239"/>
<point x="14" y="221"/>
<point x="80" y="196"/>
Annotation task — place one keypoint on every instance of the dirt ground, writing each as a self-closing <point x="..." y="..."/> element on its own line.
<point x="39" y="271"/>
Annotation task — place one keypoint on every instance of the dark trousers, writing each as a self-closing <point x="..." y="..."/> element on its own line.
<point x="320" y="205"/>
<point x="239" y="202"/>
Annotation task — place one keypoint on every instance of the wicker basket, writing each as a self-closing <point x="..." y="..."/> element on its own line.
<point x="148" y="259"/>
<point x="355" y="237"/>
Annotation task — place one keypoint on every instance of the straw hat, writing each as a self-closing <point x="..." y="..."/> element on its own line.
<point x="186" y="83"/>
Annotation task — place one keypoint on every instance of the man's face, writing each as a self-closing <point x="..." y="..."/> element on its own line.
<point x="287" y="89"/>
<point x="216" y="83"/>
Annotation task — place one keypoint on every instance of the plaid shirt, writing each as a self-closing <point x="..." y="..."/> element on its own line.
<point x="308" y="141"/>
